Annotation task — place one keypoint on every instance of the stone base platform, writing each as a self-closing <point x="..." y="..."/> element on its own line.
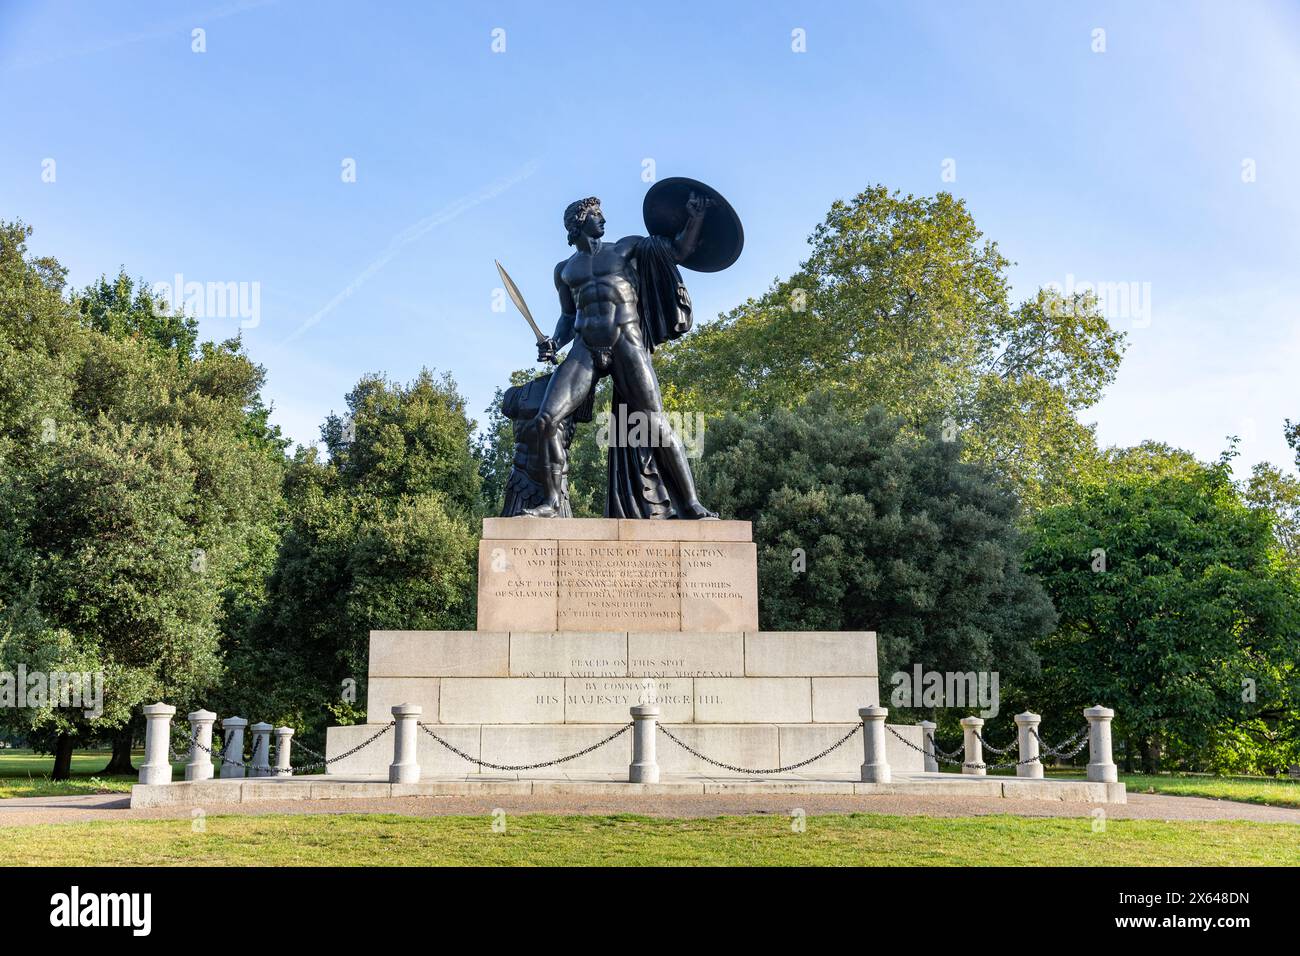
<point x="213" y="793"/>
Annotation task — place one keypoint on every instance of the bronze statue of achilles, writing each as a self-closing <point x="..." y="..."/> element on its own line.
<point x="618" y="302"/>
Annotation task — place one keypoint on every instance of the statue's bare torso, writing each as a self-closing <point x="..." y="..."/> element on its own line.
<point x="602" y="287"/>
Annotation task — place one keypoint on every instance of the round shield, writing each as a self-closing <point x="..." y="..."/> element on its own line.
<point x="721" y="236"/>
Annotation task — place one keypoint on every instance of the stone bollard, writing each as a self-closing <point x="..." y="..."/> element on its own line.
<point x="875" y="764"/>
<point x="928" y="727"/>
<point x="232" y="751"/>
<point x="200" y="763"/>
<point x="157" y="767"/>
<point x="1026" y="729"/>
<point x="261" y="750"/>
<point x="1101" y="768"/>
<point x="405" y="767"/>
<point x="644" y="767"/>
<point x="974" y="760"/>
<point x="283" y="742"/>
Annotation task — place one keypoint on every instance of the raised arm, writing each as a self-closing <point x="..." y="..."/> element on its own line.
<point x="689" y="238"/>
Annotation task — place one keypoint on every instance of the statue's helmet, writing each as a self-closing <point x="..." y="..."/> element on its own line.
<point x="576" y="213"/>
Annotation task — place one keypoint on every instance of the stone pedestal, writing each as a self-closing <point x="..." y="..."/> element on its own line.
<point x="875" y="764"/>
<point x="928" y="728"/>
<point x="1026" y="732"/>
<point x="973" y="764"/>
<point x="199" y="766"/>
<point x="1101" y="768"/>
<point x="581" y="619"/>
<point x="157" y="767"/>
<point x="405" y="767"/>
<point x="261" y="749"/>
<point x="283" y="745"/>
<point x="232" y="750"/>
<point x="644" y="768"/>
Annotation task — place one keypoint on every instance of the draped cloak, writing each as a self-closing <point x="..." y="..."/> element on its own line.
<point x="636" y="487"/>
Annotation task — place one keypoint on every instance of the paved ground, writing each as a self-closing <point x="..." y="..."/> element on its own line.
<point x="29" y="811"/>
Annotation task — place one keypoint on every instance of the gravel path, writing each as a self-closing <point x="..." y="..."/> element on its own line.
<point x="30" y="811"/>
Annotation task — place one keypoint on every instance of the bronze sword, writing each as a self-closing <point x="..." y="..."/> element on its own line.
<point x="517" y="298"/>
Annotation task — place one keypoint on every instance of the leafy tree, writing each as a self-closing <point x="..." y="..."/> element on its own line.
<point x="1176" y="609"/>
<point x="125" y="309"/>
<point x="864" y="525"/>
<point x="1278" y="493"/>
<point x="140" y="485"/>
<point x="903" y="304"/>
<point x="494" y="450"/>
<point x="381" y="533"/>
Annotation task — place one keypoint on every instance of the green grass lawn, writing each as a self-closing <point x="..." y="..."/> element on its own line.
<point x="1268" y="791"/>
<point x="25" y="774"/>
<point x="1272" y="793"/>
<point x="627" y="840"/>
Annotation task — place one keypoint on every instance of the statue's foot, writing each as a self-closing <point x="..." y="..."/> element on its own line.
<point x="697" y="512"/>
<point x="544" y="510"/>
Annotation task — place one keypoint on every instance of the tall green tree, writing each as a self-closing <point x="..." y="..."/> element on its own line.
<point x="862" y="524"/>
<point x="138" y="501"/>
<point x="1278" y="494"/>
<point x="121" y="308"/>
<point x="1176" y="609"/>
<point x="382" y="533"/>
<point x="903" y="304"/>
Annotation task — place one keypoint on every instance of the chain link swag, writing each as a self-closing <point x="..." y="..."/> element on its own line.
<point x="274" y="771"/>
<point x="747" y="770"/>
<point x="526" y="766"/>
<point x="1075" y="741"/>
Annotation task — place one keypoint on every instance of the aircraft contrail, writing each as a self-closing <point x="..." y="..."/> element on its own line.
<point x="170" y="29"/>
<point x="410" y="234"/>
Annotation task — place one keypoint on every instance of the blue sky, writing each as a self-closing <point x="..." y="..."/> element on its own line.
<point x="1122" y="166"/>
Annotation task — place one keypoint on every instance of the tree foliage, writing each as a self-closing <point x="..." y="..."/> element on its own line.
<point x="1176" y="609"/>
<point x="381" y="534"/>
<point x="139" y="490"/>
<point x="864" y="525"/>
<point x="903" y="304"/>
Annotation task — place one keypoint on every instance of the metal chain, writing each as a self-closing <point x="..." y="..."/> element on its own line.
<point x="526" y="766"/>
<point x="996" y="750"/>
<point x="315" y="753"/>
<point x="1076" y="741"/>
<point x="938" y="754"/>
<point x="748" y="770"/>
<point x="1057" y="751"/>
<point x="1009" y="763"/>
<point x="326" y="761"/>
<point x="274" y="771"/>
<point x="935" y="745"/>
<point x="227" y="762"/>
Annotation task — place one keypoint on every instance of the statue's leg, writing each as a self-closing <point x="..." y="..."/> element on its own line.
<point x="635" y="378"/>
<point x="569" y="385"/>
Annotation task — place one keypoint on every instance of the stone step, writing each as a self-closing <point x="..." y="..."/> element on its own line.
<point x="595" y="784"/>
<point x="568" y="700"/>
<point x="622" y="654"/>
